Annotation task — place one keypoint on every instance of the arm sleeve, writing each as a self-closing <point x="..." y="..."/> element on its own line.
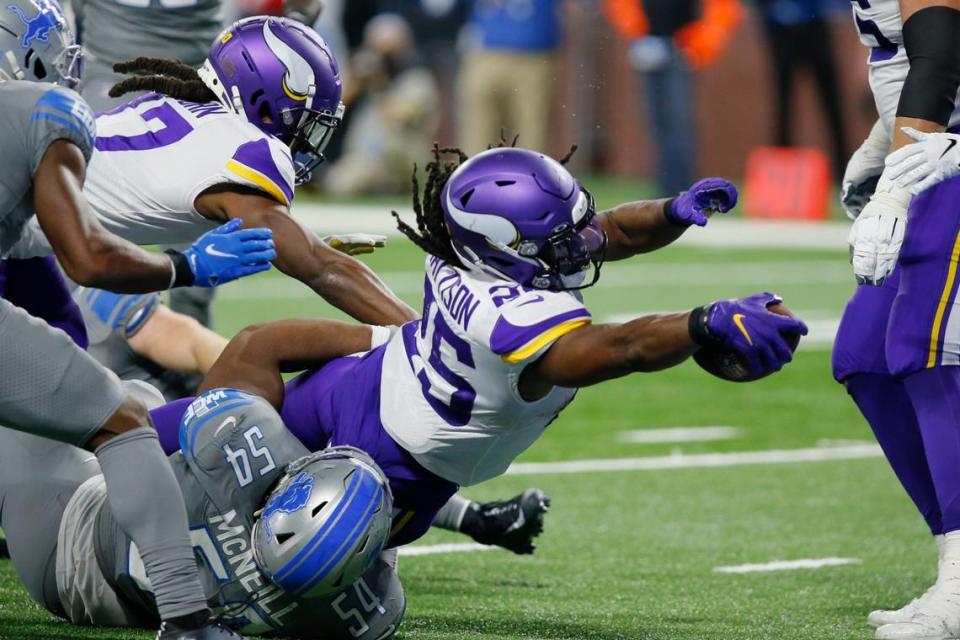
<point x="529" y="324"/>
<point x="112" y="313"/>
<point x="60" y="114"/>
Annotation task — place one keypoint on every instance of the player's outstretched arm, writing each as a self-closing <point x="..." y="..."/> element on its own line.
<point x="599" y="352"/>
<point x="176" y="341"/>
<point x="257" y="356"/>
<point x="648" y="225"/>
<point x="96" y="258"/>
<point x="344" y="282"/>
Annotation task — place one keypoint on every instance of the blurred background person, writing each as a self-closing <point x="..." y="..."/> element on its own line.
<point x="394" y="102"/>
<point x="669" y="40"/>
<point x="798" y="36"/>
<point x="508" y="73"/>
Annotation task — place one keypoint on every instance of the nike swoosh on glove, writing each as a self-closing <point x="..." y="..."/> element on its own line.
<point x="747" y="327"/>
<point x="229" y="252"/>
<point x="933" y="158"/>
<point x="706" y="197"/>
<point x="877" y="234"/>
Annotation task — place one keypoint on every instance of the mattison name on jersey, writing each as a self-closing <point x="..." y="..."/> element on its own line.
<point x="459" y="301"/>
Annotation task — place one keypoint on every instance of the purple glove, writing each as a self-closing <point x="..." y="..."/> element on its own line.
<point x="748" y="328"/>
<point x="694" y="205"/>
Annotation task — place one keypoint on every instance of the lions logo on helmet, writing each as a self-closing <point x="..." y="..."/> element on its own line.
<point x="29" y="51"/>
<point x="324" y="524"/>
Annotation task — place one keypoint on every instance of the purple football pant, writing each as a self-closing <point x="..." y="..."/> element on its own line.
<point x="37" y="286"/>
<point x="896" y="351"/>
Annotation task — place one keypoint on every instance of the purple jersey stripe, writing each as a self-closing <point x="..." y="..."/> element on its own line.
<point x="507" y="338"/>
<point x="256" y="155"/>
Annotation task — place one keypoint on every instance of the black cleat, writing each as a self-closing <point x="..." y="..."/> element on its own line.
<point x="511" y="524"/>
<point x="209" y="631"/>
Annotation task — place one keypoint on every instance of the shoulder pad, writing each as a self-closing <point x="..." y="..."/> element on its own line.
<point x="265" y="164"/>
<point x="62" y="114"/>
<point x="532" y="321"/>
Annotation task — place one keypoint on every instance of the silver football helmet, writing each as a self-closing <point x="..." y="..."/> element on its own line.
<point x="324" y="523"/>
<point x="36" y="43"/>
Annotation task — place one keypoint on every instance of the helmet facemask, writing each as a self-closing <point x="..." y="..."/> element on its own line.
<point x="313" y="134"/>
<point x="570" y="251"/>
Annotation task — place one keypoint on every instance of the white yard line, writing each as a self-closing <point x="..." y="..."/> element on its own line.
<point x="722" y="232"/>
<point x="787" y="565"/>
<point x="678" y="434"/>
<point x="431" y="549"/>
<point x="697" y="460"/>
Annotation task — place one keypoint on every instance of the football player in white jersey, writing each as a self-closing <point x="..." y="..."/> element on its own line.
<point x="898" y="346"/>
<point x="216" y="145"/>
<point x="505" y="339"/>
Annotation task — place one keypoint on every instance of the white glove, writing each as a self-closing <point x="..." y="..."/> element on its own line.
<point x="863" y="170"/>
<point x="877" y="233"/>
<point x="933" y="158"/>
<point x="354" y="244"/>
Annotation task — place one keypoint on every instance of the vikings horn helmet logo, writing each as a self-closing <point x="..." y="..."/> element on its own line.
<point x="298" y="79"/>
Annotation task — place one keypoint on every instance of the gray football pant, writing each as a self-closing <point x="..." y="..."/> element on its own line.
<point x="51" y="388"/>
<point x="37" y="479"/>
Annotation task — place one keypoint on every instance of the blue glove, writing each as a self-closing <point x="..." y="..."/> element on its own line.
<point x="224" y="254"/>
<point x="747" y="327"/>
<point x="705" y="197"/>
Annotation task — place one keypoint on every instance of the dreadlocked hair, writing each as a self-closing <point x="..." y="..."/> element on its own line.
<point x="433" y="236"/>
<point x="170" y="77"/>
<point x="431" y="233"/>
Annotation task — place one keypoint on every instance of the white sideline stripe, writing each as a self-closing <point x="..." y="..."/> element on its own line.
<point x="678" y="434"/>
<point x="697" y="460"/>
<point x="431" y="549"/>
<point x="787" y="565"/>
<point x="722" y="232"/>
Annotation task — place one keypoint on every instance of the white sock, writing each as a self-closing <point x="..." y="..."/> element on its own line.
<point x="949" y="568"/>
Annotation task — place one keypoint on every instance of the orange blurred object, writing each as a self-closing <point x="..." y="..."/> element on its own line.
<point x="787" y="183"/>
<point x="701" y="41"/>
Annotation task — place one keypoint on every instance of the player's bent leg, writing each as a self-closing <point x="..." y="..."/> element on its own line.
<point x="38" y="477"/>
<point x="51" y="388"/>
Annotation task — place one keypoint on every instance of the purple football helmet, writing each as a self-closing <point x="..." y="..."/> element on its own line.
<point x="283" y="78"/>
<point x="518" y="214"/>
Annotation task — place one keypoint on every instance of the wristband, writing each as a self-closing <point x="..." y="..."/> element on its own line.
<point x="182" y="273"/>
<point x="669" y="215"/>
<point x="697" y="326"/>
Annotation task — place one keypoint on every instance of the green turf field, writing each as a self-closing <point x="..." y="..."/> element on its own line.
<point x="630" y="554"/>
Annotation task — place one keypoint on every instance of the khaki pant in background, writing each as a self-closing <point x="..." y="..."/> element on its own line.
<point x="508" y="91"/>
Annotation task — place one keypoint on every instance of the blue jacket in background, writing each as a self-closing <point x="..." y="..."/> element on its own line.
<point x="519" y="25"/>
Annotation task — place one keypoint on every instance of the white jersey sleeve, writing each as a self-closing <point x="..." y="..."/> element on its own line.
<point x="881" y="30"/>
<point x="449" y="392"/>
<point x="155" y="155"/>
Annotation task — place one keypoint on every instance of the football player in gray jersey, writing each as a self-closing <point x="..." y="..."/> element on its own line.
<point x="138" y="338"/>
<point x="254" y="495"/>
<point x="48" y="385"/>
